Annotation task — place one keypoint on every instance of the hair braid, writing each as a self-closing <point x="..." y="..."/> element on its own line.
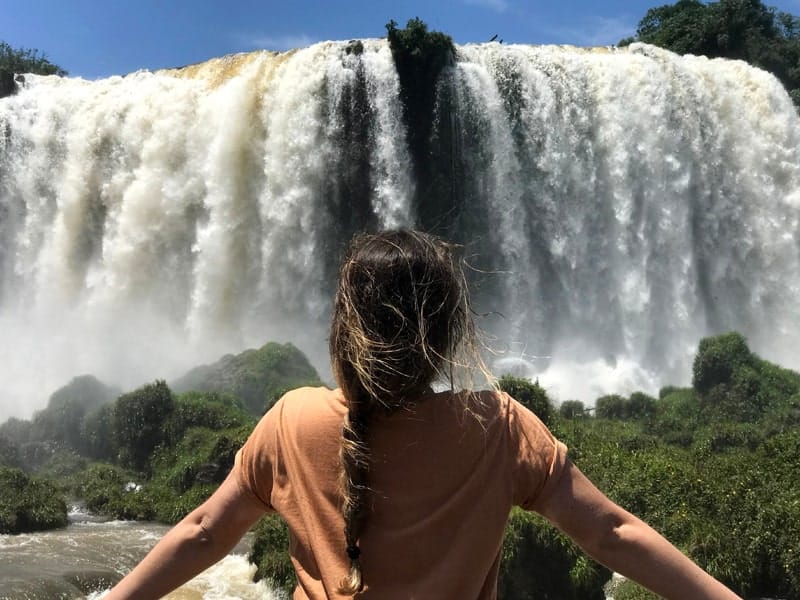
<point x="401" y="319"/>
<point x="355" y="491"/>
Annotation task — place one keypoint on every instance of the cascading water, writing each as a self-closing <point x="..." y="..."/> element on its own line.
<point x="620" y="204"/>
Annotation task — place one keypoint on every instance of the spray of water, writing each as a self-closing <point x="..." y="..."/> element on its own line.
<point x="630" y="201"/>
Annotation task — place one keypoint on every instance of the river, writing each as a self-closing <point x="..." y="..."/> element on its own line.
<point x="85" y="558"/>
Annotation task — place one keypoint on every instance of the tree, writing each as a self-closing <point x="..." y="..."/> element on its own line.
<point x="27" y="60"/>
<point x="139" y="417"/>
<point x="529" y="394"/>
<point x="718" y="358"/>
<point x="572" y="409"/>
<point x="737" y="29"/>
<point x="612" y="406"/>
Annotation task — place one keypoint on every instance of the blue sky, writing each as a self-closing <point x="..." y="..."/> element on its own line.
<point x="94" y="38"/>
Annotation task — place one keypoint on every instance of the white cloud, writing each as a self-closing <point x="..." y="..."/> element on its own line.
<point x="497" y="5"/>
<point x="274" y="42"/>
<point x="597" y="31"/>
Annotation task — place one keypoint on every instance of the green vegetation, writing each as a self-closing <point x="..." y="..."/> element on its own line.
<point x="150" y="454"/>
<point x="270" y="553"/>
<point x="22" y="60"/>
<point x="29" y="503"/>
<point x="737" y="29"/>
<point x="540" y="562"/>
<point x="614" y="406"/>
<point x="257" y="377"/>
<point x="713" y="467"/>
<point x="27" y="60"/>
<point x="177" y="450"/>
<point x="529" y="394"/>
<point x="421" y="57"/>
<point x="60" y="422"/>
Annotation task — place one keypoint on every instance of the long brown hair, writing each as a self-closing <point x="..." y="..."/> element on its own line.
<point x="401" y="319"/>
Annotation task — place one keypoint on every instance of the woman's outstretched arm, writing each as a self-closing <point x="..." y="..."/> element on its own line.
<point x="205" y="536"/>
<point x="624" y="543"/>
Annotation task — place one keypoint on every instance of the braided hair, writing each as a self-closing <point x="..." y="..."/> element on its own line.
<point x="401" y="320"/>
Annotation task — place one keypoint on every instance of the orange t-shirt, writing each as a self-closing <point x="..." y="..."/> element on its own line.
<point x="443" y="480"/>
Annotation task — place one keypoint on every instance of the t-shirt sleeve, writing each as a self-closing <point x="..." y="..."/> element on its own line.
<point x="540" y="458"/>
<point x="255" y="462"/>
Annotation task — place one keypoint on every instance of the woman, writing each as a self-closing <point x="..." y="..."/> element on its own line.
<point x="391" y="490"/>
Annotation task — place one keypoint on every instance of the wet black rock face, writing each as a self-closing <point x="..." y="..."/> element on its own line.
<point x="10" y="83"/>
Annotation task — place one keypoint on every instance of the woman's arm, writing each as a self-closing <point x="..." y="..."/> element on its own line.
<point x="624" y="543"/>
<point x="205" y="536"/>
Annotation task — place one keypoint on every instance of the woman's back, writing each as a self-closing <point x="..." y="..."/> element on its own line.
<point x="444" y="474"/>
<point x="395" y="492"/>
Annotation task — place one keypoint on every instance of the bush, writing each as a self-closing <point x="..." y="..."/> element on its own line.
<point x="571" y="409"/>
<point x="624" y="589"/>
<point x="138" y="420"/>
<point x="61" y="420"/>
<point x="717" y="359"/>
<point x="254" y="376"/>
<point x="201" y="457"/>
<point x="99" y="440"/>
<point x="210" y="410"/>
<point x="529" y="394"/>
<point x="29" y="504"/>
<point x="641" y="406"/>
<point x="538" y="561"/>
<point x="9" y="454"/>
<point x="270" y="553"/>
<point x="735" y="384"/>
<point x="612" y="406"/>
<point x="678" y="414"/>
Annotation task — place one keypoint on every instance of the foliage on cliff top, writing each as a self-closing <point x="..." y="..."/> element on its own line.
<point x="738" y="29"/>
<point x="27" y="60"/>
<point x="420" y="56"/>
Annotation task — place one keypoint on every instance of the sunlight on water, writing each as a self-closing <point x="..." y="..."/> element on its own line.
<point x="229" y="579"/>
<point x="631" y="200"/>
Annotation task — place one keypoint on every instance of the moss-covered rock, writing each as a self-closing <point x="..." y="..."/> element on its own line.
<point x="257" y="377"/>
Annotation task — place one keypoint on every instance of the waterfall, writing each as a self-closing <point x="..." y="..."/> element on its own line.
<point x="618" y="205"/>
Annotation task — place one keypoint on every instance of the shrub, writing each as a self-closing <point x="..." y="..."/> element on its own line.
<point x="571" y="409"/>
<point x="99" y="440"/>
<point x="202" y="456"/>
<point x="612" y="406"/>
<point x="270" y="553"/>
<point x="210" y="410"/>
<point x="641" y="406"/>
<point x="61" y="420"/>
<point x="529" y="394"/>
<point x="678" y="414"/>
<point x="624" y="589"/>
<point x="717" y="359"/>
<point x="29" y="504"/>
<point x="138" y="420"/>
<point x="538" y="561"/>
<point x="254" y="376"/>
<point x="9" y="454"/>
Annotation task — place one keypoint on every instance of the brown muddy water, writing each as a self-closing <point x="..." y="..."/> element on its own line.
<point x="84" y="559"/>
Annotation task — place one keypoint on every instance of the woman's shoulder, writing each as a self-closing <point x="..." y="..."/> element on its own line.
<point x="307" y="402"/>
